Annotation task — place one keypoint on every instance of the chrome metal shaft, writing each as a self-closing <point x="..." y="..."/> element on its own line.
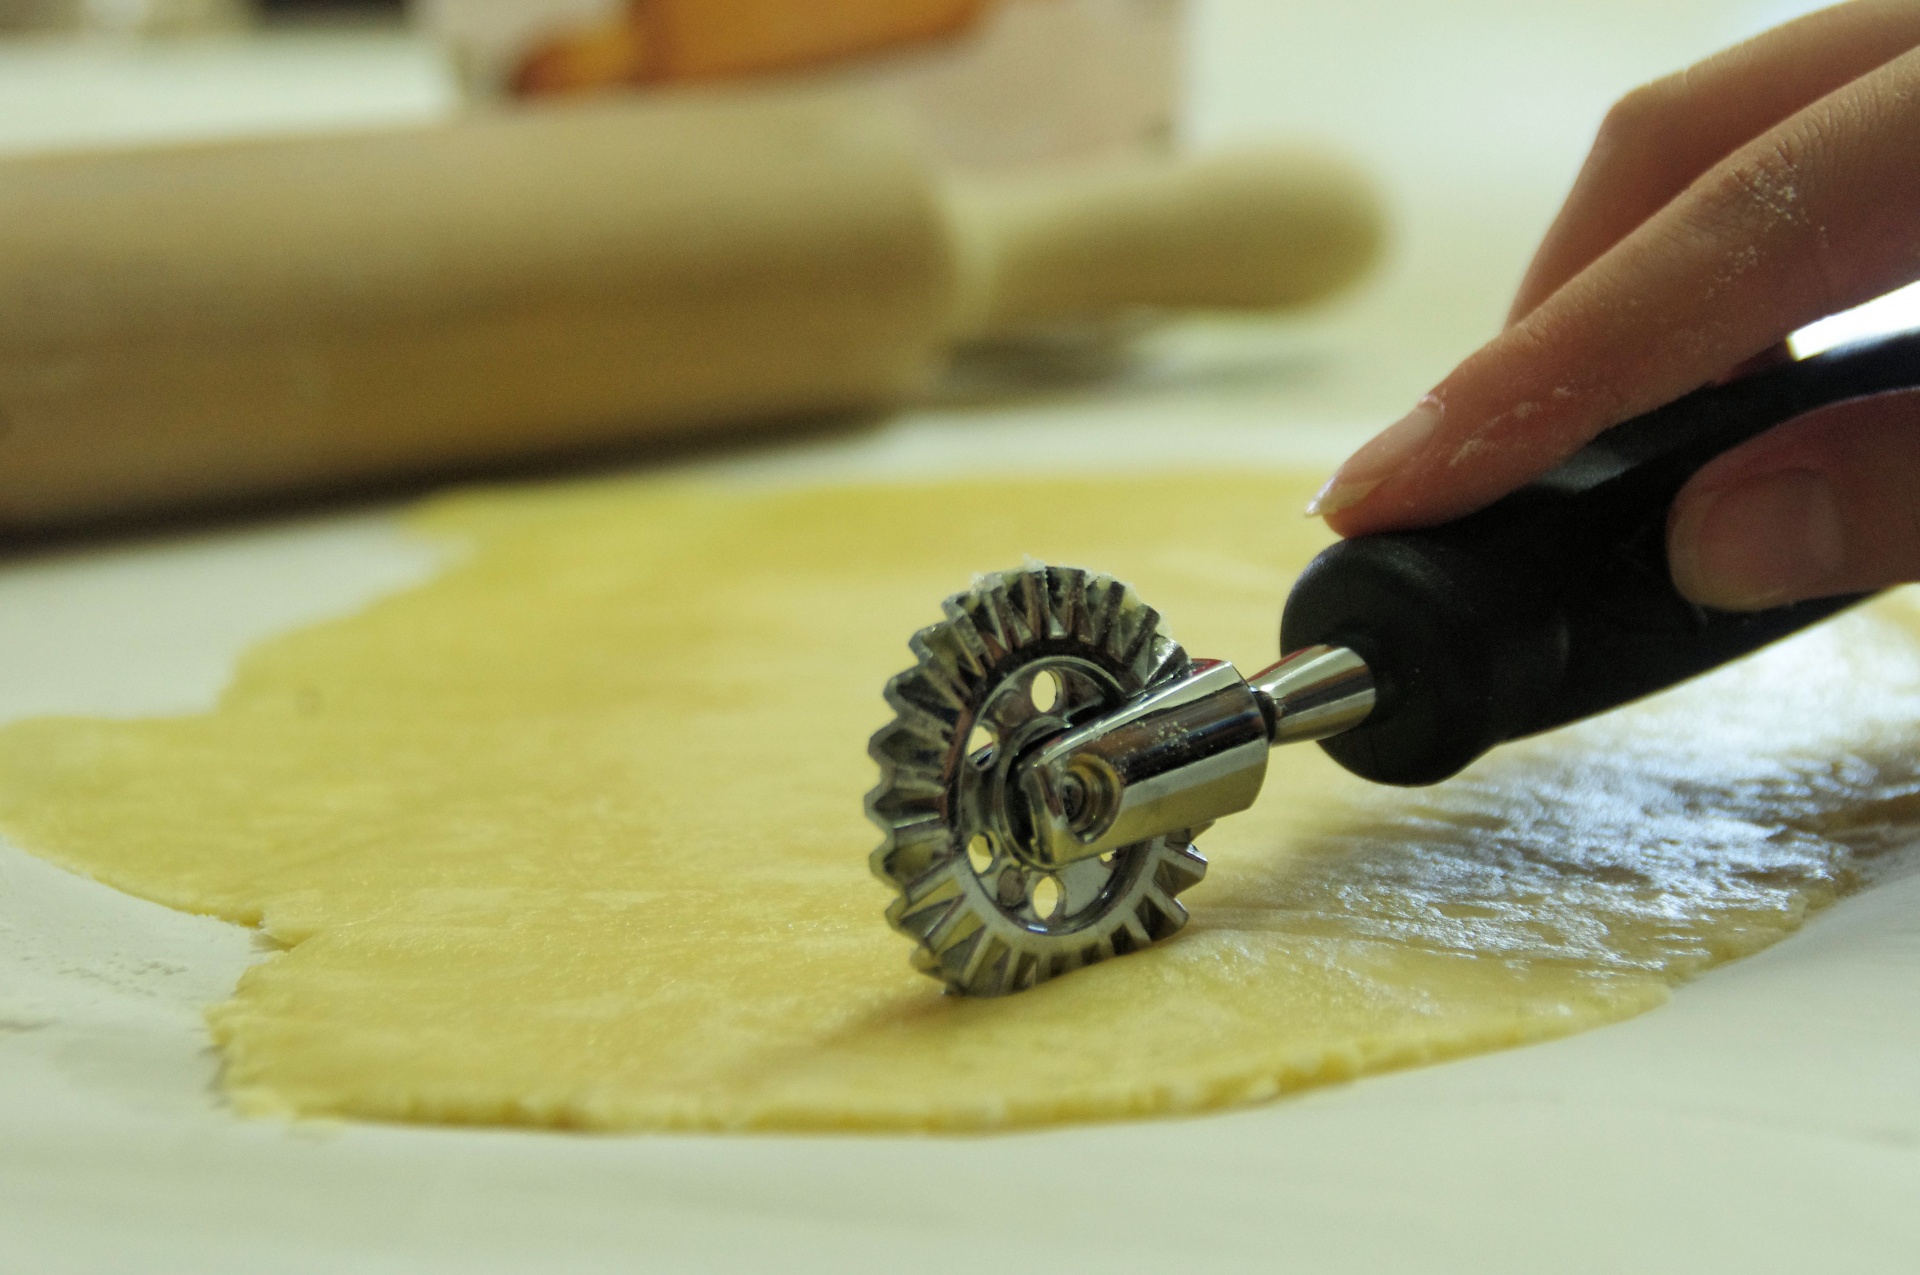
<point x="1182" y="755"/>
<point x="1315" y="692"/>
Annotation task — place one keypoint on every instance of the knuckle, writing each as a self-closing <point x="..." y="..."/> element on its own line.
<point x="1761" y="205"/>
<point x="1647" y="137"/>
<point x="1638" y="120"/>
<point x="1762" y="183"/>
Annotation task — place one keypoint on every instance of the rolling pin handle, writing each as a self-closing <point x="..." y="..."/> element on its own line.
<point x="1246" y="229"/>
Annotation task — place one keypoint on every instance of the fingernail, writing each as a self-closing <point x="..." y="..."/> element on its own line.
<point x="1374" y="463"/>
<point x="1761" y="543"/>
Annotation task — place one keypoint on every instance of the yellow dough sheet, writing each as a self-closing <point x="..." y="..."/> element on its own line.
<point x="572" y="835"/>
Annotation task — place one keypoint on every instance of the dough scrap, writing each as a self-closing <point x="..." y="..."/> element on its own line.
<point x="572" y="835"/>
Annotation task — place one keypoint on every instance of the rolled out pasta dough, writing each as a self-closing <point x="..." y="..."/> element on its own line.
<point x="572" y="835"/>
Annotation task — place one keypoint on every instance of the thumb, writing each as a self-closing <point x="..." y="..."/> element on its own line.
<point x="1826" y="504"/>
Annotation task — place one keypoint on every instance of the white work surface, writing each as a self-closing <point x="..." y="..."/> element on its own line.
<point x="1769" y="1118"/>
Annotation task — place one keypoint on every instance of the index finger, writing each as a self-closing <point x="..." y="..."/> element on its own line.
<point x="1814" y="216"/>
<point x="1660" y="137"/>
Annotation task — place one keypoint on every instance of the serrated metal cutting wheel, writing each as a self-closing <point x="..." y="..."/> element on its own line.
<point x="1021" y="657"/>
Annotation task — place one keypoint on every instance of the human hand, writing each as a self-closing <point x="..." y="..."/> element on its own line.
<point x="1720" y="209"/>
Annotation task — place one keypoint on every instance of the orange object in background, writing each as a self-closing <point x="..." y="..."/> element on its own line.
<point x="665" y="40"/>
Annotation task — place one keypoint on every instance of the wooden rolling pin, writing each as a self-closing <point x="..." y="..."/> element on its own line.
<point x="189" y="326"/>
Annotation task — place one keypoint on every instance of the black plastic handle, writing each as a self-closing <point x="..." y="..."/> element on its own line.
<point x="1555" y="603"/>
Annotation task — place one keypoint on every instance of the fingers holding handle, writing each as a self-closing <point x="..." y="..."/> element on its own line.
<point x="1660" y="138"/>
<point x="1815" y="215"/>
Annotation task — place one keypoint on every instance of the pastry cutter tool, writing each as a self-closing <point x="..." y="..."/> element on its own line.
<point x="1055" y="752"/>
